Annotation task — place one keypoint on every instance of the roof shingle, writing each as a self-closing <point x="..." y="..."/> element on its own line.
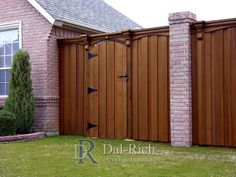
<point x="95" y="13"/>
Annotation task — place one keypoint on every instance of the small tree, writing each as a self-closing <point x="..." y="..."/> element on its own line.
<point x="20" y="99"/>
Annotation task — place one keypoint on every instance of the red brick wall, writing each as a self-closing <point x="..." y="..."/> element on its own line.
<point x="35" y="30"/>
<point x="39" y="38"/>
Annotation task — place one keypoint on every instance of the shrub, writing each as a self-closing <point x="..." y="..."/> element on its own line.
<point x="20" y="99"/>
<point x="7" y="123"/>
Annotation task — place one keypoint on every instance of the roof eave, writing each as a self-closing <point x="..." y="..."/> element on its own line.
<point x="42" y="11"/>
<point x="79" y="25"/>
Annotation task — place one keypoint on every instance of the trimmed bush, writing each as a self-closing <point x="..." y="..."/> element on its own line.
<point x="7" y="123"/>
<point x="20" y="99"/>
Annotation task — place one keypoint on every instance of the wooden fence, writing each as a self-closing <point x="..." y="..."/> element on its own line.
<point x="116" y="85"/>
<point x="214" y="83"/>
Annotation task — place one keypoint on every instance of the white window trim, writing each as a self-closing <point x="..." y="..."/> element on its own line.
<point x="12" y="25"/>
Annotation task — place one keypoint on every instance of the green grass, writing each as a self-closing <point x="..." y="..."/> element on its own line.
<point x="54" y="157"/>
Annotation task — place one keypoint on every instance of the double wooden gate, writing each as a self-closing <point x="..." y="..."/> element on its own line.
<point x="116" y="85"/>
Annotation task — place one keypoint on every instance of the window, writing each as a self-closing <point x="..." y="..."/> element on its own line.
<point x="9" y="44"/>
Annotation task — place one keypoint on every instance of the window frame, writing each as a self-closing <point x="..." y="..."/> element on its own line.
<point x="9" y="26"/>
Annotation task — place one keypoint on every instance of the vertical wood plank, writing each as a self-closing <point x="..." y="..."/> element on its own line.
<point x="208" y="82"/>
<point x="110" y="90"/>
<point x="217" y="92"/>
<point x="120" y="92"/>
<point x="129" y="92"/>
<point x="73" y="101"/>
<point x="87" y="75"/>
<point x="143" y="88"/>
<point x="67" y="113"/>
<point x="232" y="88"/>
<point x="227" y="84"/>
<point x="62" y="90"/>
<point x="91" y="116"/>
<point x="153" y="89"/>
<point x="95" y="85"/>
<point x="80" y="89"/>
<point x="203" y="93"/>
<point x="200" y="71"/>
<point x="163" y="89"/>
<point x="135" y="115"/>
<point x="102" y="89"/>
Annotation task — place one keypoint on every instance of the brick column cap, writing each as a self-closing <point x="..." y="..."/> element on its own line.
<point x="182" y="17"/>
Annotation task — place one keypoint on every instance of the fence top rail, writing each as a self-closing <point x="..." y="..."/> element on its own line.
<point x="123" y="35"/>
<point x="214" y="23"/>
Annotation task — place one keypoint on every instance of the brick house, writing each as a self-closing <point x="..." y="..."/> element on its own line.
<point x="35" y="25"/>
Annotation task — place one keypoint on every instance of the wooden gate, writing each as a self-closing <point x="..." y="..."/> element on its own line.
<point x="116" y="85"/>
<point x="214" y="83"/>
<point x="94" y="90"/>
<point x="106" y="97"/>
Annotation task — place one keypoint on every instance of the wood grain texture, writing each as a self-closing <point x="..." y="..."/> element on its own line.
<point x="120" y="92"/>
<point x="213" y="84"/>
<point x="135" y="97"/>
<point x="67" y="113"/>
<point x="137" y="108"/>
<point x="80" y="89"/>
<point x="61" y="82"/>
<point x="110" y="90"/>
<point x="153" y="88"/>
<point x="102" y="90"/>
<point x="143" y="88"/>
<point x="163" y="89"/>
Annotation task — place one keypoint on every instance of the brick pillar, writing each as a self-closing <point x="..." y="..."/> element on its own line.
<point x="180" y="78"/>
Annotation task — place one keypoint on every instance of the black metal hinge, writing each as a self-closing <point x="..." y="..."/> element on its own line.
<point x="91" y="90"/>
<point x="90" y="125"/>
<point x="91" y="56"/>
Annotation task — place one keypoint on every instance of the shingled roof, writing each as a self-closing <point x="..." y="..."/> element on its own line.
<point x="93" y="14"/>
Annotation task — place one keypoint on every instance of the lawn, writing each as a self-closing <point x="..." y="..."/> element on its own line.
<point x="55" y="157"/>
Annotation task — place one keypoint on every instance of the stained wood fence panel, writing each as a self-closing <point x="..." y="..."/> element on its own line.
<point x="71" y="82"/>
<point x="150" y="90"/>
<point x="214" y="84"/>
